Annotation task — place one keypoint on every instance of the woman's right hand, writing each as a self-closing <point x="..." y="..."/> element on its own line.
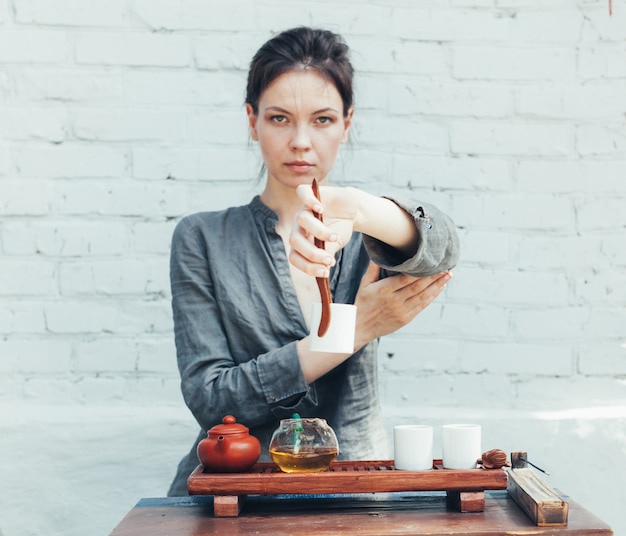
<point x="386" y="305"/>
<point x="338" y="207"/>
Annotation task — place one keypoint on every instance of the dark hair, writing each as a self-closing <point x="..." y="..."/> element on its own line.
<point x="299" y="49"/>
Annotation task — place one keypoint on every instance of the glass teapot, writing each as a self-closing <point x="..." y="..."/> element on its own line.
<point x="303" y="445"/>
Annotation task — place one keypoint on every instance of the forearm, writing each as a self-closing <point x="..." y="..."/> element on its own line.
<point x="437" y="247"/>
<point x="315" y="364"/>
<point x="384" y="220"/>
<point x="251" y="390"/>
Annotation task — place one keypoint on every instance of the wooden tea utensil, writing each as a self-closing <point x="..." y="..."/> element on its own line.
<point x="322" y="282"/>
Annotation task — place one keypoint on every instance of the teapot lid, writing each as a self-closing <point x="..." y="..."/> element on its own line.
<point x="229" y="426"/>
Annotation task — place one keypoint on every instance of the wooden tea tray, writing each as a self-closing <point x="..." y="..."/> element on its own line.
<point x="465" y="488"/>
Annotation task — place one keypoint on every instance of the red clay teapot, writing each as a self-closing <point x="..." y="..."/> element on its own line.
<point x="229" y="448"/>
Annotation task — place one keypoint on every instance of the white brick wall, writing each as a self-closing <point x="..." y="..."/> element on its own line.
<point x="117" y="117"/>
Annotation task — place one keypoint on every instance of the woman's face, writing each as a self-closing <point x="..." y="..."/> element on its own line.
<point x="299" y="126"/>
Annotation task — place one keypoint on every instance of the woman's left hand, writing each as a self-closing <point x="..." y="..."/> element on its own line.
<point x="339" y="208"/>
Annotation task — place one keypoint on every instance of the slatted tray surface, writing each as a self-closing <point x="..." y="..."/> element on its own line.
<point x="374" y="476"/>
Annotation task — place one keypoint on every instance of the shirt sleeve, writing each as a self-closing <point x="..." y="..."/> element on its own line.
<point x="257" y="388"/>
<point x="438" y="243"/>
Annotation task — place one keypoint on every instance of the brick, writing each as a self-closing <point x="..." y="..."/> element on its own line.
<point x="602" y="60"/>
<point x="612" y="248"/>
<point x="538" y="212"/>
<point x="402" y="133"/>
<point x="239" y="16"/>
<point x="86" y="390"/>
<point x="42" y="356"/>
<point x="559" y="252"/>
<point x="608" y="289"/>
<point x="152" y="238"/>
<point x="453" y="390"/>
<point x="607" y="321"/>
<point x="157" y="355"/>
<point x="560" y="26"/>
<point x="565" y="323"/>
<point x="597" y="100"/>
<point x="486" y="248"/>
<point x="64" y="239"/>
<point x="442" y="318"/>
<point x="77" y="317"/>
<point x="125" y="198"/>
<point x="196" y="164"/>
<point x="466" y="173"/>
<point x="67" y="161"/>
<point x="68" y="85"/>
<point x="342" y="17"/>
<point x="21" y="316"/>
<point x="444" y="24"/>
<point x="125" y="276"/>
<point x="10" y="389"/>
<point x="508" y="287"/>
<point x="380" y="55"/>
<point x="5" y="86"/>
<point x="33" y="46"/>
<point x="407" y="96"/>
<point x="27" y="277"/>
<point x="130" y="125"/>
<point x="225" y="51"/>
<point x="71" y="12"/>
<point x="602" y="213"/>
<point x="25" y="199"/>
<point x="566" y="393"/>
<point x="154" y="391"/>
<point x="209" y="196"/>
<point x="371" y="92"/>
<point x="571" y="176"/>
<point x="43" y="390"/>
<point x="217" y="90"/>
<point x="362" y="166"/>
<point x="602" y="359"/>
<point x="510" y="63"/>
<point x="134" y="49"/>
<point x="401" y="355"/>
<point x="32" y="123"/>
<point x="147" y="316"/>
<point x="519" y="358"/>
<point x="105" y="355"/>
<point x="600" y="139"/>
<point x="4" y="161"/>
<point x="599" y="27"/>
<point x="511" y="138"/>
<point x="218" y="128"/>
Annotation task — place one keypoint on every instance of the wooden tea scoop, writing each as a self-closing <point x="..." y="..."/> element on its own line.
<point x="322" y="282"/>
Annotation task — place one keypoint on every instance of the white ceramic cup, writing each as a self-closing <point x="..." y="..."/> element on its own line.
<point x="340" y="335"/>
<point x="413" y="447"/>
<point x="461" y="445"/>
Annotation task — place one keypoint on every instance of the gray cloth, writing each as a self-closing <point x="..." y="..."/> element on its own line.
<point x="237" y="320"/>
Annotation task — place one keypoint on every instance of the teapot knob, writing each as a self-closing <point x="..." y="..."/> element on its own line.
<point x="229" y="419"/>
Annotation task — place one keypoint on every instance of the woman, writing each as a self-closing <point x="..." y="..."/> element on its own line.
<point x="243" y="279"/>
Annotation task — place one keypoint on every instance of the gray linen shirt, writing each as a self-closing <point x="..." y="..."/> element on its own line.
<point x="237" y="319"/>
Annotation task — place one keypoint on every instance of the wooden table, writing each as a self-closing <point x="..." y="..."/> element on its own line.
<point x="400" y="513"/>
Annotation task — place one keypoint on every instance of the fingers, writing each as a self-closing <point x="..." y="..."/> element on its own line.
<point x="411" y="284"/>
<point x="418" y="296"/>
<point x="309" y="259"/>
<point x="304" y="254"/>
<point x="306" y="195"/>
